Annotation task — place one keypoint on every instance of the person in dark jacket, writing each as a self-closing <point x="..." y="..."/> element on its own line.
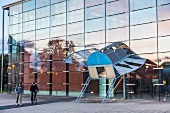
<point x="19" y="90"/>
<point x="34" y="89"/>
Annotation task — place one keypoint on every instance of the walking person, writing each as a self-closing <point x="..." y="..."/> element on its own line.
<point x="34" y="89"/>
<point x="19" y="91"/>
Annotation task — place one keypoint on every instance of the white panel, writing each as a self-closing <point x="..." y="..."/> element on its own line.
<point x="109" y="72"/>
<point x="93" y="72"/>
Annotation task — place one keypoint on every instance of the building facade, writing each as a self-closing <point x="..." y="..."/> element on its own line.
<point x="42" y="33"/>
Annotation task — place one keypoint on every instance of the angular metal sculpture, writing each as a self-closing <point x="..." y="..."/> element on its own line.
<point x="110" y="62"/>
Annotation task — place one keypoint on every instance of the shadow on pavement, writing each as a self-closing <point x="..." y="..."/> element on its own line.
<point x="67" y="99"/>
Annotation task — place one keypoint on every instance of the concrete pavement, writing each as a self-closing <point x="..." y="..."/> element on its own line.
<point x="51" y="104"/>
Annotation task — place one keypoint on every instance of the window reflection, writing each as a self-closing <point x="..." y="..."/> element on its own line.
<point x="119" y="34"/>
<point x="58" y="8"/>
<point x="117" y="21"/>
<point x="142" y="31"/>
<point x="163" y="28"/>
<point x="95" y="24"/>
<point x="76" y="28"/>
<point x="95" y="38"/>
<point x="31" y="25"/>
<point x="28" y="5"/>
<point x="15" y="19"/>
<point x="163" y="2"/>
<point x="164" y="58"/>
<point x="78" y="40"/>
<point x="30" y="15"/>
<point x="59" y="48"/>
<point x="15" y="9"/>
<point x="41" y="3"/>
<point x="42" y="33"/>
<point x="17" y="28"/>
<point x="143" y="16"/>
<point x="163" y="12"/>
<point x="144" y="46"/>
<point x="58" y="19"/>
<point x="75" y="4"/>
<point x="56" y="1"/>
<point x="116" y="7"/>
<point x="94" y="12"/>
<point x="29" y="36"/>
<point x="163" y="44"/>
<point x="75" y="16"/>
<point x="93" y="2"/>
<point x="139" y="4"/>
<point x="43" y="12"/>
<point x="152" y="57"/>
<point x="42" y="23"/>
<point x="58" y="31"/>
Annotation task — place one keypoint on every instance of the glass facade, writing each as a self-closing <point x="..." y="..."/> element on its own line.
<point x="42" y="33"/>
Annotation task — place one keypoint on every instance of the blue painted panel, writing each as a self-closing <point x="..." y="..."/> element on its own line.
<point x="98" y="58"/>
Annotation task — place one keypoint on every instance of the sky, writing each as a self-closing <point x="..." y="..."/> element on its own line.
<point x="2" y="3"/>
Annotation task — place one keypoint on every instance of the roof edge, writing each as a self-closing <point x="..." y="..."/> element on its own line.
<point x="14" y="3"/>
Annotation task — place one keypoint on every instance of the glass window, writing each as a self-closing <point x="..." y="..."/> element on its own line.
<point x="15" y="19"/>
<point x="45" y="44"/>
<point x="78" y="40"/>
<point x="163" y="44"/>
<point x="153" y="57"/>
<point x="143" y="16"/>
<point x="163" y="2"/>
<point x="163" y="28"/>
<point x="28" y="26"/>
<point x="29" y="51"/>
<point x="56" y="1"/>
<point x="95" y="38"/>
<point x="139" y="4"/>
<point x="30" y="15"/>
<point x="15" y="9"/>
<point x="163" y="12"/>
<point x="75" y="4"/>
<point x="41" y="3"/>
<point x="58" y="19"/>
<point x="58" y="31"/>
<point x="76" y="28"/>
<point x="164" y="58"/>
<point x="95" y="24"/>
<point x="75" y="85"/>
<point x="143" y="31"/>
<point x="29" y="36"/>
<point x="28" y="5"/>
<point x="17" y="28"/>
<point x="59" y="66"/>
<point x="144" y="46"/>
<point x="58" y="48"/>
<point x="43" y="68"/>
<point x="42" y="34"/>
<point x="58" y="8"/>
<point x="43" y="12"/>
<point x="117" y="21"/>
<point x="94" y="12"/>
<point x="75" y="16"/>
<point x="120" y="34"/>
<point x="58" y="88"/>
<point x="42" y="23"/>
<point x="93" y="2"/>
<point x="117" y="7"/>
<point x="16" y="38"/>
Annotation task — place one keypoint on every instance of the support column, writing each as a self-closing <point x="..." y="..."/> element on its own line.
<point x="124" y="87"/>
<point x="2" y="60"/>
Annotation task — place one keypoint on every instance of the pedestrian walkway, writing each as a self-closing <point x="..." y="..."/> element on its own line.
<point x="52" y="104"/>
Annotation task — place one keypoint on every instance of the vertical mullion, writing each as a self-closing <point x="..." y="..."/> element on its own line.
<point x="67" y="65"/>
<point x="157" y="30"/>
<point x="35" y="63"/>
<point x="50" y="39"/>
